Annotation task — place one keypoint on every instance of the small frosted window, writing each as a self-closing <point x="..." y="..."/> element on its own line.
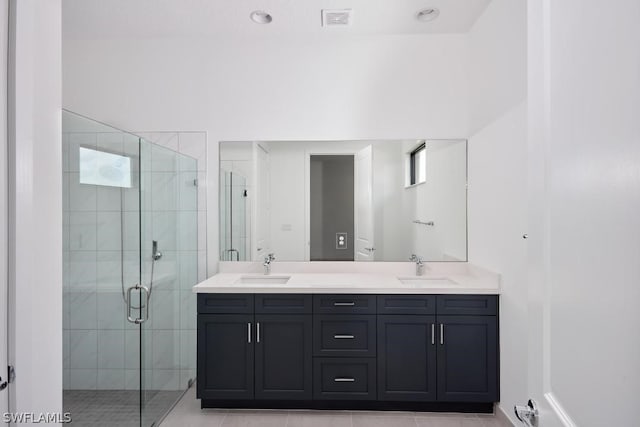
<point x="418" y="165"/>
<point x="102" y="168"/>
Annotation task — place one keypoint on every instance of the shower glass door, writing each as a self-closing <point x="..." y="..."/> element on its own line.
<point x="130" y="260"/>
<point x="168" y="215"/>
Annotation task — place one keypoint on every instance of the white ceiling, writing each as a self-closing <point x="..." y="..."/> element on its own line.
<point x="83" y="19"/>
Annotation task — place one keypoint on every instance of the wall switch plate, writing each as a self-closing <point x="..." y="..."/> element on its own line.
<point x="341" y="240"/>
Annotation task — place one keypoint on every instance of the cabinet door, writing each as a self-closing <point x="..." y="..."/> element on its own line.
<point x="225" y="356"/>
<point x="467" y="359"/>
<point x="283" y="357"/>
<point x="406" y="358"/>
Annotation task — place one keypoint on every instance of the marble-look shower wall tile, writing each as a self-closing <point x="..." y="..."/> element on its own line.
<point x="162" y="160"/>
<point x="110" y="141"/>
<point x="109" y="198"/>
<point x="188" y="191"/>
<point x="83" y="379"/>
<point x="165" y="139"/>
<point x="83" y="231"/>
<point x="83" y="349"/>
<point x="164" y="191"/>
<point x="82" y="271"/>
<point x="165" y="306"/>
<point x="166" y="349"/>
<point x="111" y="349"/>
<point x="202" y="226"/>
<point x="111" y="379"/>
<point x="82" y="310"/>
<point x="202" y="191"/>
<point x="82" y="197"/>
<point x="194" y="144"/>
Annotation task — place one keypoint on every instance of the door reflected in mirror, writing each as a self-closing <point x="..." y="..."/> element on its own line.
<point x="343" y="200"/>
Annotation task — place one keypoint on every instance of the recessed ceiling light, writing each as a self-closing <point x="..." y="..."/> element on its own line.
<point x="426" y="15"/>
<point x="260" y="17"/>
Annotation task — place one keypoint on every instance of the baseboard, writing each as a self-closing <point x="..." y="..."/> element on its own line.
<point x="502" y="416"/>
<point x="374" y="405"/>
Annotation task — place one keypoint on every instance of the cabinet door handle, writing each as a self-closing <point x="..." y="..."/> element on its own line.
<point x="433" y="334"/>
<point x="249" y="333"/>
<point x="343" y="337"/>
<point x="342" y="304"/>
<point x="441" y="333"/>
<point x="344" y="380"/>
<point x="258" y="332"/>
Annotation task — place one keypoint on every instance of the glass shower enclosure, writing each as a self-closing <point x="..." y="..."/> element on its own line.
<point x="130" y="260"/>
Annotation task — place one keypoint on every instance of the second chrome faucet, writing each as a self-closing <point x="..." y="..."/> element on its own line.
<point x="267" y="262"/>
<point x="419" y="264"/>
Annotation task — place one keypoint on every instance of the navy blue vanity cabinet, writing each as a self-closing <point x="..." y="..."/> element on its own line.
<point x="417" y="352"/>
<point x="467" y="348"/>
<point x="225" y="346"/>
<point x="225" y="356"/>
<point x="283" y="360"/>
<point x="406" y="348"/>
<point x="344" y="347"/>
<point x="406" y="358"/>
<point x="254" y="347"/>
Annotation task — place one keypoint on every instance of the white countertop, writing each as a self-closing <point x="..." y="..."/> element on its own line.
<point x="438" y="278"/>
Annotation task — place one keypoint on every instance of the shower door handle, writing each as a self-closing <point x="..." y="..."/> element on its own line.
<point x="138" y="320"/>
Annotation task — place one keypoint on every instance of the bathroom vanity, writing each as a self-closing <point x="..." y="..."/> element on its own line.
<point x="350" y="340"/>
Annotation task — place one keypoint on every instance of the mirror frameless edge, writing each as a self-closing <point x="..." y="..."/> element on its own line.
<point x="308" y="200"/>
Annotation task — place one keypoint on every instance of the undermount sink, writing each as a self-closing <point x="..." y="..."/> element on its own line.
<point x="263" y="280"/>
<point x="426" y="281"/>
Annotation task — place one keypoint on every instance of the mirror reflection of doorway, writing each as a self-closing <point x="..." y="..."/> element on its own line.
<point x="331" y="207"/>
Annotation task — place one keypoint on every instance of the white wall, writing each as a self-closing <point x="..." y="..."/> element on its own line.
<point x="4" y="227"/>
<point x="498" y="176"/>
<point x="321" y="88"/>
<point x="593" y="182"/>
<point x="35" y="215"/>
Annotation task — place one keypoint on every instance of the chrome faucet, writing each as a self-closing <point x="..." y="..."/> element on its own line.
<point x="419" y="264"/>
<point x="267" y="262"/>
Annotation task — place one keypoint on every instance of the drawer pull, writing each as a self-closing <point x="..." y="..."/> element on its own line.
<point x="344" y="380"/>
<point x="441" y="333"/>
<point x="249" y="333"/>
<point x="344" y="304"/>
<point x="433" y="333"/>
<point x="343" y="337"/>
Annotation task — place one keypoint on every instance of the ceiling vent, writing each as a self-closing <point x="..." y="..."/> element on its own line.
<point x="336" y="17"/>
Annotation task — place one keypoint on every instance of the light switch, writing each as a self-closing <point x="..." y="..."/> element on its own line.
<point x="341" y="240"/>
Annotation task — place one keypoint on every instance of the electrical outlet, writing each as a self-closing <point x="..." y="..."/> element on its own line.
<point x="341" y="240"/>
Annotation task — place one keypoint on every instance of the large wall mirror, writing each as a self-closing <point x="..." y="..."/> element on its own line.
<point x="343" y="200"/>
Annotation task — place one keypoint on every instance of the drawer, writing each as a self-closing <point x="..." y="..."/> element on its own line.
<point x="344" y="379"/>
<point x="472" y="305"/>
<point x="344" y="336"/>
<point x="283" y="303"/>
<point x="406" y="304"/>
<point x="225" y="303"/>
<point x="344" y="304"/>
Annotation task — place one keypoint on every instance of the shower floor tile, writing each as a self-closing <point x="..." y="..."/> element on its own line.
<point x="107" y="408"/>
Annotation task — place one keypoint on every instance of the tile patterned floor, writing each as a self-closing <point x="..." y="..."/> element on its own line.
<point x="109" y="408"/>
<point x="187" y="413"/>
